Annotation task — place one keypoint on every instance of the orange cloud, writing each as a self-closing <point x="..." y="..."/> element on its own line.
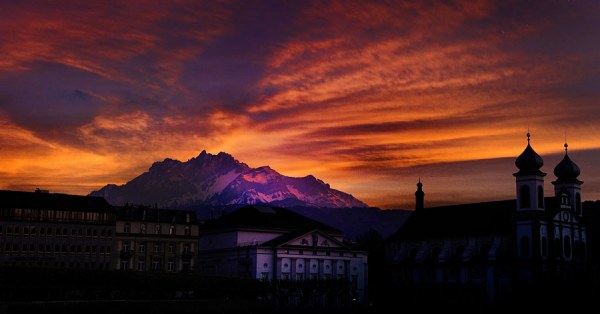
<point x="108" y="39"/>
<point x="367" y="96"/>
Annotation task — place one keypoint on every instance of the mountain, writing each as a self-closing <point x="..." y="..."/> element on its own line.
<point x="222" y="180"/>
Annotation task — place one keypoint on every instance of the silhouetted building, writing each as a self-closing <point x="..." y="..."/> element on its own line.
<point x="272" y="243"/>
<point x="41" y="229"/>
<point x="150" y="239"/>
<point x="498" y="250"/>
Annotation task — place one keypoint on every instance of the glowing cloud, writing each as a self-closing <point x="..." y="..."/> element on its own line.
<point x="367" y="96"/>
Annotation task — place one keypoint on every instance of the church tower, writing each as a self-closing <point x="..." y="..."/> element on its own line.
<point x="567" y="187"/>
<point x="529" y="218"/>
<point x="530" y="180"/>
<point x="419" y="196"/>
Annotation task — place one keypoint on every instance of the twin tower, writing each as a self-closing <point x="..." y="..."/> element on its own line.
<point x="530" y="181"/>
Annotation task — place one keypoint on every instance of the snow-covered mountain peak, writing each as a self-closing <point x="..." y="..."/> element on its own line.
<point x="222" y="180"/>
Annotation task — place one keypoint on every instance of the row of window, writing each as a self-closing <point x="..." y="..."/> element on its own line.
<point x="576" y="250"/>
<point x="56" y="215"/>
<point x="300" y="277"/>
<point x="47" y="248"/>
<point x="156" y="247"/>
<point x="85" y="265"/>
<point x="157" y="229"/>
<point x="156" y="265"/>
<point x="49" y="231"/>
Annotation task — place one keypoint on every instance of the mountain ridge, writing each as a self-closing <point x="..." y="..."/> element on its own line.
<point x="222" y="180"/>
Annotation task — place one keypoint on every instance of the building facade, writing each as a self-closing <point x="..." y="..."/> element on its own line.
<point x="41" y="229"/>
<point x="271" y="243"/>
<point x="500" y="248"/>
<point x="150" y="239"/>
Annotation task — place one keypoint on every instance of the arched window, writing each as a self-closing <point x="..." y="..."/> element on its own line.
<point x="540" y="197"/>
<point x="524" y="246"/>
<point x="524" y="197"/>
<point x="578" y="203"/>
<point x="565" y="198"/>
<point x="567" y="246"/>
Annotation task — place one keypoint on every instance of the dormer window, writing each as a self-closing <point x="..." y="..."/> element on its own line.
<point x="304" y="242"/>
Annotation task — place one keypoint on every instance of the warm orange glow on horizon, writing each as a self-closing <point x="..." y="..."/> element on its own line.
<point x="366" y="96"/>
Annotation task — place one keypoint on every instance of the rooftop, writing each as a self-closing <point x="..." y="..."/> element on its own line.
<point x="53" y="201"/>
<point x="257" y="217"/>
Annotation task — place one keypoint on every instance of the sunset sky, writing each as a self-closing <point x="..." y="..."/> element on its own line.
<point x="367" y="96"/>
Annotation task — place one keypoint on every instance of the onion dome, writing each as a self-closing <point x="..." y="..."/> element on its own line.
<point x="529" y="162"/>
<point x="567" y="170"/>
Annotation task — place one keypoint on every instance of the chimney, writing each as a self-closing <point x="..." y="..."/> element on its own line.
<point x="419" y="196"/>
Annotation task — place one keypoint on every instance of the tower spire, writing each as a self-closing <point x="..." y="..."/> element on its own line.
<point x="419" y="196"/>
